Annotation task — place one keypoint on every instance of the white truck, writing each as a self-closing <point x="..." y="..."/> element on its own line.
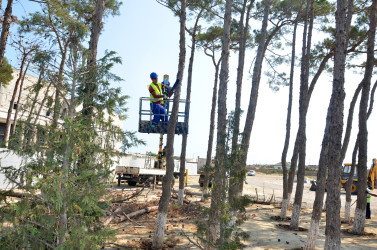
<point x="132" y="172"/>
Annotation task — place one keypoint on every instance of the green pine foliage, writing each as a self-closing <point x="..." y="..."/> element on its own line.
<point x="232" y="235"/>
<point x="68" y="164"/>
<point x="6" y="72"/>
<point x="49" y="187"/>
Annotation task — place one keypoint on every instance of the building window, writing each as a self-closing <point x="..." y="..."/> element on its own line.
<point x="16" y="105"/>
<point x="2" y="132"/>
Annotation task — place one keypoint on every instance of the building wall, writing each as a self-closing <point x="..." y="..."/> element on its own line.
<point x="25" y="105"/>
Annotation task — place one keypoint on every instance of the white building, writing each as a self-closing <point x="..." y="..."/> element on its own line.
<point x="25" y="105"/>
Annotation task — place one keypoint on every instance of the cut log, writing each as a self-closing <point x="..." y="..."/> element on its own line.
<point x="136" y="213"/>
<point x="184" y="201"/>
<point x="128" y="198"/>
<point x="112" y="216"/>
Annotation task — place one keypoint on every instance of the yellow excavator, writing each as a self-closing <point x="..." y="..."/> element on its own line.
<point x="371" y="179"/>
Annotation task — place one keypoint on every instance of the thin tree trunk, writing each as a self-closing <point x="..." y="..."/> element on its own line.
<point x="284" y="206"/>
<point x="333" y="132"/>
<point x="348" y="184"/>
<point x="10" y="110"/>
<point x="163" y="206"/>
<point x="211" y="132"/>
<point x="182" y="169"/>
<point x="217" y="192"/>
<point x="12" y="131"/>
<point x="359" y="223"/>
<point x="5" y="30"/>
<point x="237" y="170"/>
<point x="67" y="160"/>
<point x="304" y="78"/>
<point x="335" y="115"/>
<point x="347" y="134"/>
<point x="255" y="86"/>
<point x="39" y="82"/>
<point x="33" y="126"/>
<point x="90" y="83"/>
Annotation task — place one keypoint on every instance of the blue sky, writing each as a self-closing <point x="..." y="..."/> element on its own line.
<point x="146" y="36"/>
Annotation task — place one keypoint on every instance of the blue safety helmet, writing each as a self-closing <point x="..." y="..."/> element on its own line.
<point x="153" y="75"/>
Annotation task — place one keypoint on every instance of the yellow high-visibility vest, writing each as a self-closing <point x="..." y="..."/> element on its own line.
<point x="369" y="198"/>
<point x="157" y="91"/>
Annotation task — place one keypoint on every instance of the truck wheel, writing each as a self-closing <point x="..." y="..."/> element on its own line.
<point x="354" y="188"/>
<point x="132" y="183"/>
<point x="201" y="184"/>
<point x="118" y="181"/>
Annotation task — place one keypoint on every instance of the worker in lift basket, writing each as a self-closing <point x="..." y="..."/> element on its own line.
<point x="157" y="100"/>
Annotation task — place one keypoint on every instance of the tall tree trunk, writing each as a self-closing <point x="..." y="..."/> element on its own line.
<point x="182" y="168"/>
<point x="304" y="78"/>
<point x="284" y="205"/>
<point x="34" y="124"/>
<point x="10" y="110"/>
<point x="335" y="115"/>
<point x="237" y="174"/>
<point x="88" y="105"/>
<point x="13" y="128"/>
<point x="5" y="30"/>
<point x="347" y="133"/>
<point x="163" y="206"/>
<point x="348" y="185"/>
<point x="39" y="82"/>
<point x="292" y="170"/>
<point x="90" y="83"/>
<point x="334" y="126"/>
<point x="211" y="132"/>
<point x="359" y="223"/>
<point x="255" y="87"/>
<point x="219" y="174"/>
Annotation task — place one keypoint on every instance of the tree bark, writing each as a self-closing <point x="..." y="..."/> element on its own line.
<point x="5" y="30"/>
<point x="237" y="172"/>
<point x="136" y="213"/>
<point x="12" y="130"/>
<point x="304" y="79"/>
<point x="347" y="217"/>
<point x="10" y="110"/>
<point x="359" y="223"/>
<point x="33" y="126"/>
<point x="347" y="133"/>
<point x="284" y="206"/>
<point x="333" y="130"/>
<point x="255" y="87"/>
<point x="163" y="206"/>
<point x="90" y="83"/>
<point x="182" y="169"/>
<point x="335" y="116"/>
<point x="211" y="130"/>
<point x="219" y="174"/>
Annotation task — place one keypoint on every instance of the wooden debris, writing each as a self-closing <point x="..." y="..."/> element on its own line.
<point x="136" y="213"/>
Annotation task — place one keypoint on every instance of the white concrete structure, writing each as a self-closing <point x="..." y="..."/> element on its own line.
<point x="46" y="113"/>
<point x="6" y="96"/>
<point x="9" y="159"/>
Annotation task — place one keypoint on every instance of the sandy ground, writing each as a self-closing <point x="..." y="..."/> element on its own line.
<point x="265" y="232"/>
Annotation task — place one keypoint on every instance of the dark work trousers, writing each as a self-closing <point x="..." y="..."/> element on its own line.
<point x="368" y="211"/>
<point x="159" y="113"/>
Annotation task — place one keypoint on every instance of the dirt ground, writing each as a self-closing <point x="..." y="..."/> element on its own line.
<point x="265" y="232"/>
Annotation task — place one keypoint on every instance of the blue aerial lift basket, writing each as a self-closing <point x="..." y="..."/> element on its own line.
<point x="146" y="116"/>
